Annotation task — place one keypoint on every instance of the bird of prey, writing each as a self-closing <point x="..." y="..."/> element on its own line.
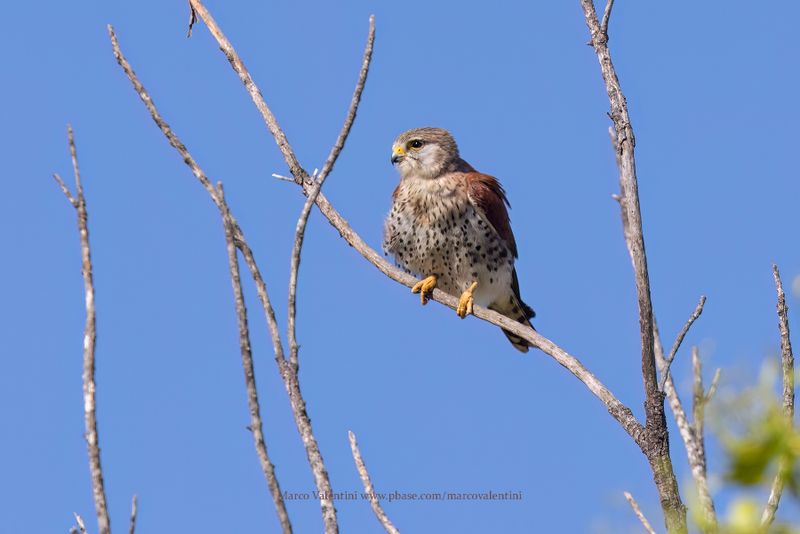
<point x="449" y="225"/>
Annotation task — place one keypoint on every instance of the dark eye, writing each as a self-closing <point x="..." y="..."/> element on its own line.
<point x="415" y="144"/>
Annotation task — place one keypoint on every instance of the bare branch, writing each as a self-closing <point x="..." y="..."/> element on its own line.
<point x="678" y="340"/>
<point x="787" y="366"/>
<point x="65" y="189"/>
<point x="176" y="143"/>
<point x="695" y="445"/>
<point x="656" y="443"/>
<point x="618" y="410"/>
<point x="369" y="489"/>
<point x="81" y="524"/>
<point x="89" y="341"/>
<point x="192" y="19"/>
<point x="237" y="237"/>
<point x="606" y="17"/>
<point x="247" y="364"/>
<point x="700" y="399"/>
<point x="312" y="196"/>
<point x="787" y="356"/>
<point x="698" y="394"/>
<point x="713" y="387"/>
<point x="354" y="102"/>
<point x="638" y="512"/>
<point x="132" y="528"/>
<point x="272" y="123"/>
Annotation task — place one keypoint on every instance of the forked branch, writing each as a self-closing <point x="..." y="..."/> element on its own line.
<point x="681" y="335"/>
<point x="691" y="433"/>
<point x="237" y="236"/>
<point x="618" y="410"/>
<point x="655" y="444"/>
<point x="318" y="180"/>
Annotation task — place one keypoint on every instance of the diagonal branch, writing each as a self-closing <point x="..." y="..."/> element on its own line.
<point x="89" y="340"/>
<point x="787" y="365"/>
<point x="255" y="93"/>
<point x="81" y="524"/>
<point x="606" y="17"/>
<point x="638" y="512"/>
<point x="300" y="230"/>
<point x="682" y="334"/>
<point x="619" y="411"/>
<point x="369" y="489"/>
<point x="239" y="240"/>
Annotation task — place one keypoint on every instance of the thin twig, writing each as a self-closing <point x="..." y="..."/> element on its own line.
<point x="89" y="340"/>
<point x="132" y="528"/>
<point x="638" y="512"/>
<point x="698" y="395"/>
<point x="192" y="19"/>
<point x="65" y="189"/>
<point x="656" y="444"/>
<point x="619" y="411"/>
<point x="255" y="93"/>
<point x="713" y="387"/>
<point x="238" y="237"/>
<point x="700" y="399"/>
<point x="606" y="17"/>
<point x="303" y="422"/>
<point x="369" y="489"/>
<point x="247" y="363"/>
<point x="787" y="366"/>
<point x="678" y="340"/>
<point x="81" y="524"/>
<point x="176" y="143"/>
<point x="300" y="229"/>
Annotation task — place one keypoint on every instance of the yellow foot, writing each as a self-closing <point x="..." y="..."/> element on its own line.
<point x="466" y="300"/>
<point x="424" y="288"/>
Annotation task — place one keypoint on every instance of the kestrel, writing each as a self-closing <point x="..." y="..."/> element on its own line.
<point x="449" y="225"/>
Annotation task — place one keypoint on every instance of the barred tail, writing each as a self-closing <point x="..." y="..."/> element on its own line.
<point x="515" y="309"/>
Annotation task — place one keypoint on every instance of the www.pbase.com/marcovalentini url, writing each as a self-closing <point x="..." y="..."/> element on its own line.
<point x="409" y="496"/>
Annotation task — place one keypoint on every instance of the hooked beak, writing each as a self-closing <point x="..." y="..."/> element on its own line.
<point x="397" y="154"/>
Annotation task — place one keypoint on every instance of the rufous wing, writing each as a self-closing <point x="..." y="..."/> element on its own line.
<point x="489" y="198"/>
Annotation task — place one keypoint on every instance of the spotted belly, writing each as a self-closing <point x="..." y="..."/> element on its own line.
<point x="458" y="246"/>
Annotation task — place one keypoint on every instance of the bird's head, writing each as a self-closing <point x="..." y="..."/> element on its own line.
<point x="424" y="152"/>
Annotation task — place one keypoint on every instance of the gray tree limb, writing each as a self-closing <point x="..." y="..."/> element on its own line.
<point x="617" y="409"/>
<point x="638" y="512"/>
<point x="655" y="442"/>
<point x="134" y="512"/>
<point x="787" y="366"/>
<point x="239" y="240"/>
<point x="89" y="341"/>
<point x="678" y="340"/>
<point x="694" y="443"/>
<point x="369" y="489"/>
<point x="319" y="179"/>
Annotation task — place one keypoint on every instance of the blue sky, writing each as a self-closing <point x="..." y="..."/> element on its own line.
<point x="437" y="404"/>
